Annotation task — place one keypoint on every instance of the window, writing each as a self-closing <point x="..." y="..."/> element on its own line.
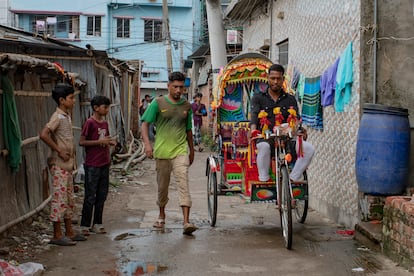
<point x="283" y="52"/>
<point x="62" y="24"/>
<point x="152" y="30"/>
<point x="265" y="50"/>
<point x="122" y="27"/>
<point x="39" y="24"/>
<point x="93" y="27"/>
<point x="59" y="26"/>
<point x="74" y="25"/>
<point x="44" y="25"/>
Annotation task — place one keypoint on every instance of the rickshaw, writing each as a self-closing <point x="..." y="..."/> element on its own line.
<point x="232" y="168"/>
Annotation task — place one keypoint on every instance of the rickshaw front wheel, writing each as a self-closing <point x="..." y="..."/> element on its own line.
<point x="285" y="207"/>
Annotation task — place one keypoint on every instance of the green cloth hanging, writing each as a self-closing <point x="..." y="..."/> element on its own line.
<point x="11" y="129"/>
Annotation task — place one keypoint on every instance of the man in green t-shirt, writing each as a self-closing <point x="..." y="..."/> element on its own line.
<point x="172" y="115"/>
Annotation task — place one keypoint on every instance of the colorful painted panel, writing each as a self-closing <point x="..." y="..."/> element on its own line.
<point x="299" y="191"/>
<point x="263" y="192"/>
<point x="236" y="100"/>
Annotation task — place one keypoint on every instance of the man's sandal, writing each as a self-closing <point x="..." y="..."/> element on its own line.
<point x="189" y="228"/>
<point x="160" y="223"/>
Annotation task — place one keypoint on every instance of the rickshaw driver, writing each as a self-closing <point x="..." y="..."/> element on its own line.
<point x="275" y="96"/>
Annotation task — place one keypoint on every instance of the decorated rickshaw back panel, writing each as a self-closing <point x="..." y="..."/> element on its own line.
<point x="238" y="81"/>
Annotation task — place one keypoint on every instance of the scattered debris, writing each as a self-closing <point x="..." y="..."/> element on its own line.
<point x="25" y="269"/>
<point x="345" y="232"/>
<point x="134" y="155"/>
<point x="363" y="248"/>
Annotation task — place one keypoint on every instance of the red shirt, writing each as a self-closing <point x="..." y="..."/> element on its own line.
<point x="96" y="156"/>
<point x="198" y="119"/>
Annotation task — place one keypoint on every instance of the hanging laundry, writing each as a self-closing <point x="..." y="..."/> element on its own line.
<point x="11" y="127"/>
<point x="301" y="86"/>
<point x="328" y="84"/>
<point x="295" y="79"/>
<point x="344" y="79"/>
<point x="312" y="108"/>
<point x="289" y="76"/>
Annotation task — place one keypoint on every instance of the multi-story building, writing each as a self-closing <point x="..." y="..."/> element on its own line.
<point x="5" y="16"/>
<point x="126" y="29"/>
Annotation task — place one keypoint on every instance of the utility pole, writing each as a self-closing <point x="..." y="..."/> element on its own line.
<point x="216" y="36"/>
<point x="166" y="35"/>
<point x="182" y="56"/>
<point x="217" y="40"/>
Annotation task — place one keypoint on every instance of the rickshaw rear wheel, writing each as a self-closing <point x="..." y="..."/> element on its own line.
<point x="212" y="195"/>
<point x="285" y="207"/>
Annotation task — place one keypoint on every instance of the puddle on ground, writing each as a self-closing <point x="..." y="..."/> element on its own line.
<point x="133" y="233"/>
<point x="133" y="268"/>
<point x="161" y="230"/>
<point x="134" y="219"/>
<point x="140" y="233"/>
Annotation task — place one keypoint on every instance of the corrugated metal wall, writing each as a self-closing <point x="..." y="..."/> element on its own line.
<point x="25" y="190"/>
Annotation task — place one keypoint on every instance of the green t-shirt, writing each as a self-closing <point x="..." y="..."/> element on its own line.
<point x="172" y="121"/>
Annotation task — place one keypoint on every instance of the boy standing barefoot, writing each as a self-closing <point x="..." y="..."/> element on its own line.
<point x="95" y="138"/>
<point x="58" y="135"/>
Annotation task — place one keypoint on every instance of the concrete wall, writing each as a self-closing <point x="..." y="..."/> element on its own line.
<point x="318" y="32"/>
<point x="4" y="13"/>
<point x="395" y="59"/>
<point x="256" y="32"/>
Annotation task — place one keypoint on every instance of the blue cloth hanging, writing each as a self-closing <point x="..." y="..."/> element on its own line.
<point x="312" y="108"/>
<point x="344" y="79"/>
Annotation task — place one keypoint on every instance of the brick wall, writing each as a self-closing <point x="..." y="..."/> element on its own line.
<point x="397" y="230"/>
<point x="372" y="207"/>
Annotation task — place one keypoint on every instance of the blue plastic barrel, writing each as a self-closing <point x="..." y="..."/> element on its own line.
<point x="383" y="148"/>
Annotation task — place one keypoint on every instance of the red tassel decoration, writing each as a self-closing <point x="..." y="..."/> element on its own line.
<point x="300" y="147"/>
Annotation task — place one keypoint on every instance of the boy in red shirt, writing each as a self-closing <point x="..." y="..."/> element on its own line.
<point x="96" y="140"/>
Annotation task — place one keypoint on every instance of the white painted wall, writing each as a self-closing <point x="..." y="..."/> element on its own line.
<point x="318" y="32"/>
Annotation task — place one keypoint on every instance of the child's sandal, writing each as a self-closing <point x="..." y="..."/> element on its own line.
<point x="99" y="229"/>
<point x="85" y="231"/>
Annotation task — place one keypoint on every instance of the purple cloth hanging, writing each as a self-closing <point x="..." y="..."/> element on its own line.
<point x="328" y="84"/>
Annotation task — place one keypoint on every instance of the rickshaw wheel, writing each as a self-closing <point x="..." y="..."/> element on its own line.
<point x="285" y="207"/>
<point x="301" y="210"/>
<point x="212" y="195"/>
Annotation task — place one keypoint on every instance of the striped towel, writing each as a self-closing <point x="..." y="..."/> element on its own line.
<point x="312" y="108"/>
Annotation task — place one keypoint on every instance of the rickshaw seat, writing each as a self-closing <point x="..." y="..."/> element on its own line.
<point x="235" y="139"/>
<point x="235" y="146"/>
